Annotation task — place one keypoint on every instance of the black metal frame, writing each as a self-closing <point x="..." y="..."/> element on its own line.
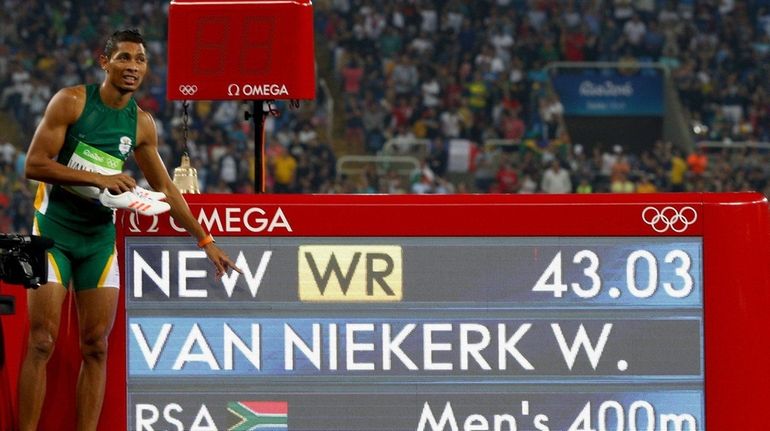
<point x="260" y="109"/>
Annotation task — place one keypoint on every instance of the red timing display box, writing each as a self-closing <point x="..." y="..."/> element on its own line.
<point x="244" y="50"/>
<point x="715" y="244"/>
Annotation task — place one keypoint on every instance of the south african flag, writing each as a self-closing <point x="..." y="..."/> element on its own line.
<point x="260" y="415"/>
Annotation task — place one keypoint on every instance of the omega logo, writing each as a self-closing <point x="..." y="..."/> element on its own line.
<point x="257" y="90"/>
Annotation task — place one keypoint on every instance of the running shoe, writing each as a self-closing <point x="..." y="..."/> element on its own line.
<point x="149" y="194"/>
<point x="132" y="201"/>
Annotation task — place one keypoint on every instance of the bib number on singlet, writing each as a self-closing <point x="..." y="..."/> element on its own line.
<point x="88" y="158"/>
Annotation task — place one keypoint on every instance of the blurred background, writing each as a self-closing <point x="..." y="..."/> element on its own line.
<point x="441" y="96"/>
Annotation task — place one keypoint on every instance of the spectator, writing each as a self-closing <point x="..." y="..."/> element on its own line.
<point x="485" y="170"/>
<point x="507" y="178"/>
<point x="621" y="184"/>
<point x="621" y="168"/>
<point x="697" y="162"/>
<point x="229" y="169"/>
<point x="584" y="187"/>
<point x="405" y="77"/>
<point x="551" y="111"/>
<point x="529" y="181"/>
<point x="284" y="169"/>
<point x="512" y="126"/>
<point x="352" y="74"/>
<point x="438" y="159"/>
<point x="635" y="30"/>
<point x="556" y="179"/>
<point x="677" y="172"/>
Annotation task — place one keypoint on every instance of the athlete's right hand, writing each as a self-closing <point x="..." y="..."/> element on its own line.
<point x="117" y="183"/>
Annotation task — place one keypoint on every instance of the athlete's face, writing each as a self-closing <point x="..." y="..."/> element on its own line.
<point x="126" y="66"/>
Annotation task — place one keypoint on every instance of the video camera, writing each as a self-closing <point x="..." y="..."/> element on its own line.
<point x="23" y="259"/>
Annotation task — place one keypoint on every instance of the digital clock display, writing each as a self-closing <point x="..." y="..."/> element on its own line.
<point x="255" y="50"/>
<point x="213" y="34"/>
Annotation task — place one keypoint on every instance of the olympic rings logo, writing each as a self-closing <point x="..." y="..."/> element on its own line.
<point x="188" y="90"/>
<point x="669" y="218"/>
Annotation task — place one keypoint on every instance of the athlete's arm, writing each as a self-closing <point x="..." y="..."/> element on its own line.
<point x="149" y="161"/>
<point x="41" y="165"/>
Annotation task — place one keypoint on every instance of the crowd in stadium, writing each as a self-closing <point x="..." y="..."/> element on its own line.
<point x="431" y="70"/>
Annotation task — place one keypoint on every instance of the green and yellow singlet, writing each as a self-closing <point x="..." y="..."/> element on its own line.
<point x="99" y="141"/>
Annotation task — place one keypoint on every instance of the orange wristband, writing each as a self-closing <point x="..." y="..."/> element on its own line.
<point x="206" y="241"/>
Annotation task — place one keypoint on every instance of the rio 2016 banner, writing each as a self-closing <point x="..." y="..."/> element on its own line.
<point x="608" y="93"/>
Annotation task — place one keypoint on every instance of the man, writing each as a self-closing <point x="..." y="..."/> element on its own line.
<point x="556" y="179"/>
<point x="101" y="119"/>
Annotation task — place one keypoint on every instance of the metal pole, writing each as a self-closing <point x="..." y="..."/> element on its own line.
<point x="259" y="114"/>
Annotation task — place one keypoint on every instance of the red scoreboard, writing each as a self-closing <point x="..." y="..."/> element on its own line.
<point x="467" y="312"/>
<point x="601" y="312"/>
<point x="241" y="50"/>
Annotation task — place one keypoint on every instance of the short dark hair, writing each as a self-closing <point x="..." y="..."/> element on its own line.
<point x="127" y="35"/>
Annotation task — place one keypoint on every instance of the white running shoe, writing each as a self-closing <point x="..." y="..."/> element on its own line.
<point x="149" y="194"/>
<point x="132" y="201"/>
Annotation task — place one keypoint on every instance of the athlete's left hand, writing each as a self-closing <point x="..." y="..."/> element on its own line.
<point x="220" y="259"/>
